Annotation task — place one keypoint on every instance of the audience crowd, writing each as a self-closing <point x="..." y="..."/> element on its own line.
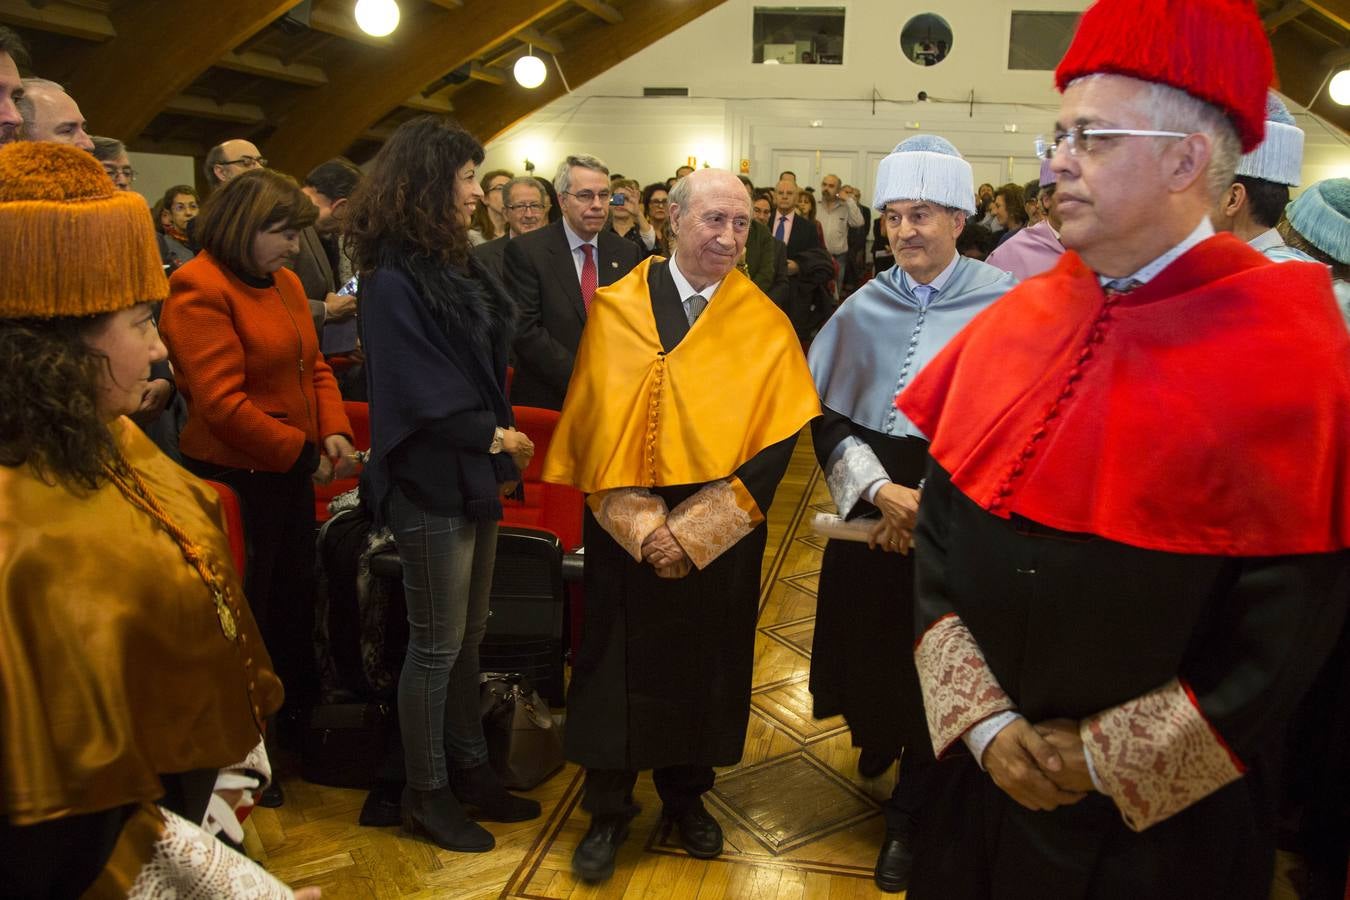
<point x="1089" y="576"/>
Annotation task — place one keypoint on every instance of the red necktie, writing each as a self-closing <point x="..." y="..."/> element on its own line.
<point x="589" y="280"/>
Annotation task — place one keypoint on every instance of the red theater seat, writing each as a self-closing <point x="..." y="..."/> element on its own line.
<point x="234" y="525"/>
<point x="552" y="507"/>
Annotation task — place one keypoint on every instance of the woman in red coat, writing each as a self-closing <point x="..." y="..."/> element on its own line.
<point x="264" y="412"/>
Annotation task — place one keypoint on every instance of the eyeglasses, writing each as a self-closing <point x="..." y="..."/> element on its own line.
<point x="184" y="207"/>
<point x="1081" y="140"/>
<point x="126" y="172"/>
<point x="654" y="202"/>
<point x="248" y="162"/>
<point x="526" y="207"/>
<point x="588" y="197"/>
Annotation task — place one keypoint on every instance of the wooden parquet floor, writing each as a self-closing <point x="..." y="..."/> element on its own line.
<point x="800" y="823"/>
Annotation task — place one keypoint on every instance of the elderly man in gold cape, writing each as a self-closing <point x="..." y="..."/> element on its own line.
<point x="689" y="391"/>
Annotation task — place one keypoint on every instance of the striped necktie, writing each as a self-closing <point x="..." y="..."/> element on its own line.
<point x="693" y="308"/>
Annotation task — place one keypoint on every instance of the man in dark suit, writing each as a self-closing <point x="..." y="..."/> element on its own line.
<point x="801" y="238"/>
<point x="525" y="206"/>
<point x="552" y="274"/>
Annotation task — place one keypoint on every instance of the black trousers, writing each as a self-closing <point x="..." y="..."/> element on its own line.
<point x="278" y="509"/>
<point x="609" y="792"/>
<point x="912" y="787"/>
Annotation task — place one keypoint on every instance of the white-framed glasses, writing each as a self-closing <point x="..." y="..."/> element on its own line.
<point x="1081" y="140"/>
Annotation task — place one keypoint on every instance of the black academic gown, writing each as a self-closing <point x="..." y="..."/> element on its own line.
<point x="1073" y="624"/>
<point x="662" y="677"/>
<point x="865" y="613"/>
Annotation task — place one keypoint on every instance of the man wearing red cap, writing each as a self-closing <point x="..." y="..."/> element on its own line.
<point x="1132" y="544"/>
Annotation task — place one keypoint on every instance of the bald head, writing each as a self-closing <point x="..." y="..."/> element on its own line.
<point x="50" y="114"/>
<point x="710" y="216"/>
<point x="230" y="159"/>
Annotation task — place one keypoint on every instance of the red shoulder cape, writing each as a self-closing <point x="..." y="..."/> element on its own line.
<point x="1205" y="412"/>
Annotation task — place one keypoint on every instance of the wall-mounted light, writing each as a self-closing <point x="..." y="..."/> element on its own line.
<point x="1340" y="87"/>
<point x="529" y="70"/>
<point x="377" y="18"/>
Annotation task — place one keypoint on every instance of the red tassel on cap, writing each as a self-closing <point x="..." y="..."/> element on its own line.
<point x="1215" y="50"/>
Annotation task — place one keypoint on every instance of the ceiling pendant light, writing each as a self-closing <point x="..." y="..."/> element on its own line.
<point x="1340" y="87"/>
<point x="530" y="70"/>
<point x="377" y="18"/>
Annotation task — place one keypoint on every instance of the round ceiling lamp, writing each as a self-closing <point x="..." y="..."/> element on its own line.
<point x="530" y="71"/>
<point x="1340" y="87"/>
<point x="377" y="18"/>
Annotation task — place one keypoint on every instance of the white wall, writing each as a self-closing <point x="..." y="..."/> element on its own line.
<point x="157" y="172"/>
<point x="764" y="114"/>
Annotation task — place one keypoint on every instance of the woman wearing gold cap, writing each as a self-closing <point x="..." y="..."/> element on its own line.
<point x="132" y="676"/>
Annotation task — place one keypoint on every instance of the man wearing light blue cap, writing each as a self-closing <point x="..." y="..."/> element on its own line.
<point x="1252" y="205"/>
<point x="873" y="458"/>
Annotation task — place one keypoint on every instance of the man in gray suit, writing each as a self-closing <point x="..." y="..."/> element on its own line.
<point x="552" y="274"/>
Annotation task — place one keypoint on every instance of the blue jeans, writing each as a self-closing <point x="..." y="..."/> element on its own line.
<point x="447" y="574"/>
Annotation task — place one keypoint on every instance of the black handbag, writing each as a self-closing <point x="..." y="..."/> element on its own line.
<point x="344" y="743"/>
<point x="524" y="743"/>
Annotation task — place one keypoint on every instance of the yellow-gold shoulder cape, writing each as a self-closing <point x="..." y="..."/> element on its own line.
<point x="636" y="416"/>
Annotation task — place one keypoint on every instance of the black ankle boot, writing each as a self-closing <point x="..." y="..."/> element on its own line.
<point x="438" y="815"/>
<point x="481" y="790"/>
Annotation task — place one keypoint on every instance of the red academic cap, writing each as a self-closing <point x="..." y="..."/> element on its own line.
<point x="1214" y="50"/>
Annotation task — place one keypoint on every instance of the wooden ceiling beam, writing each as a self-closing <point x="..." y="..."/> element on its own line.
<point x="448" y="4"/>
<point x="1337" y="11"/>
<point x="480" y="72"/>
<point x="165" y="46"/>
<point x="602" y="9"/>
<point x="206" y="108"/>
<point x="1285" y="12"/>
<point x="436" y="103"/>
<point x="251" y="62"/>
<point x="540" y="41"/>
<point x="363" y="87"/>
<point x="59" y="18"/>
<point x="488" y="110"/>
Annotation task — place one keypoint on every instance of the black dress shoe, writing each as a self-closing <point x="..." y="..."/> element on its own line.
<point x="700" y="835"/>
<point x="273" y="797"/>
<point x="593" y="860"/>
<point x="893" y="865"/>
<point x="874" y="763"/>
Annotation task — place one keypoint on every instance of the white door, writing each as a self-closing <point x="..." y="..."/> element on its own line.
<point x="800" y="162"/>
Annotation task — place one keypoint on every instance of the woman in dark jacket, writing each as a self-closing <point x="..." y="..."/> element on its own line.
<point x="436" y="327"/>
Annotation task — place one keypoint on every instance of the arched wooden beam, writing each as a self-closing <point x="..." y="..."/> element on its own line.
<point x="488" y="110"/>
<point x="364" y="85"/>
<point x="162" y="46"/>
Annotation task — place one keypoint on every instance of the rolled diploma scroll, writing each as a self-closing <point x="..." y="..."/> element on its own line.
<point x="828" y="525"/>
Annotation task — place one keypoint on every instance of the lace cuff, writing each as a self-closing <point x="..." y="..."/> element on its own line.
<point x="712" y="521"/>
<point x="959" y="691"/>
<point x="1156" y="755"/>
<point x="189" y="863"/>
<point x="629" y="515"/>
<point x="850" y="470"/>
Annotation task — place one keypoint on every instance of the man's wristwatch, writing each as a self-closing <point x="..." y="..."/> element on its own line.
<point x="498" y="441"/>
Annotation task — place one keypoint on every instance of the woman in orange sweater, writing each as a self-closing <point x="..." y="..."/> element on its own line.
<point x="264" y="412"/>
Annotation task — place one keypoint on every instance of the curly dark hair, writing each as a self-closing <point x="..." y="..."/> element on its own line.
<point x="407" y="205"/>
<point x="49" y="389"/>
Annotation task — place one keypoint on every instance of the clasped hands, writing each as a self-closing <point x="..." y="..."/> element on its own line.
<point x="338" y="459"/>
<point x="899" y="508"/>
<point x="1041" y="766"/>
<point x="663" y="552"/>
